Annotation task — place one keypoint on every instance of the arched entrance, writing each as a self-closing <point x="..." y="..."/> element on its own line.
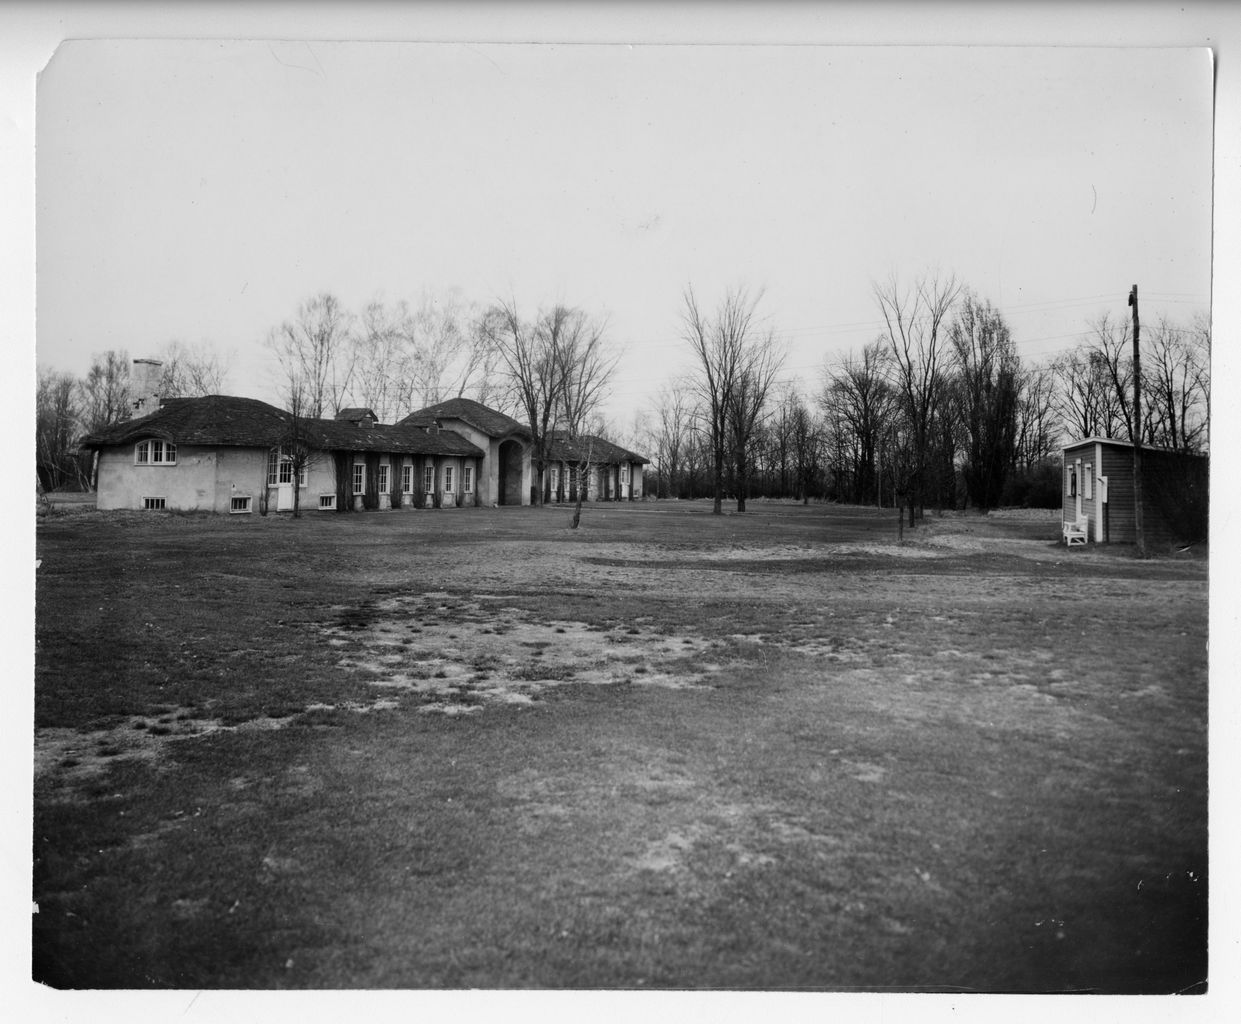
<point x="510" y="473"/>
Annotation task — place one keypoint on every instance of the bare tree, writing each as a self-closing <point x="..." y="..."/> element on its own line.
<point x="1176" y="384"/>
<point x="670" y="435"/>
<point x="56" y="419"/>
<point x="760" y="363"/>
<point x="987" y="372"/>
<point x="1037" y="437"/>
<point x="914" y="319"/>
<point x="736" y="364"/>
<point x="806" y="438"/>
<point x="1081" y="394"/>
<point x="383" y="373"/>
<point x="316" y="348"/>
<point x="103" y="394"/>
<point x="857" y="389"/>
<point x="454" y="355"/>
<point x="586" y="368"/>
<point x="544" y="365"/>
<point x="1110" y="354"/>
<point x="191" y="371"/>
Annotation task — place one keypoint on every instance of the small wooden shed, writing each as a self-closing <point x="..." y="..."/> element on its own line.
<point x="1098" y="493"/>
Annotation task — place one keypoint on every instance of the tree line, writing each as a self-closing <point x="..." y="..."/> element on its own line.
<point x="937" y="410"/>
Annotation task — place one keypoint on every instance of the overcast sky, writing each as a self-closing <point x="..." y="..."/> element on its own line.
<point x="199" y="190"/>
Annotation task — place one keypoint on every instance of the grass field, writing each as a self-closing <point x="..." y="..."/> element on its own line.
<point x="667" y="750"/>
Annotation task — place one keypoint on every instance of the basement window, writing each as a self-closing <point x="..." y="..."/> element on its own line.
<point x="155" y="453"/>
<point x="240" y="504"/>
<point x="327" y="502"/>
<point x="154" y="504"/>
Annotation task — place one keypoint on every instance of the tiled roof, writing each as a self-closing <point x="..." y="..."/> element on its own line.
<point x="564" y="449"/>
<point x="477" y="415"/>
<point x="245" y="422"/>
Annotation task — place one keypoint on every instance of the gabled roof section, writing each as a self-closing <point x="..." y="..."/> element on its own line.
<point x="565" y="449"/>
<point x="480" y="417"/>
<point x="213" y="420"/>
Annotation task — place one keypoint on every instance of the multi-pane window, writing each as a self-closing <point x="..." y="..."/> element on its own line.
<point x="448" y="478"/>
<point x="624" y="472"/>
<point x="155" y="453"/>
<point x="428" y="479"/>
<point x="280" y="469"/>
<point x="383" y="479"/>
<point x="467" y="479"/>
<point x="359" y="478"/>
<point x="407" y="479"/>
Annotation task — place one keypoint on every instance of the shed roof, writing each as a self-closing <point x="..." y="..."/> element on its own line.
<point x="1116" y="442"/>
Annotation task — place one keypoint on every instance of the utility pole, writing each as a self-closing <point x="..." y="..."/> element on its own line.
<point x="1137" y="428"/>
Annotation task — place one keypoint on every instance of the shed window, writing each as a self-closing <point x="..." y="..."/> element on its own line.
<point x="1070" y="481"/>
<point x="1088" y="482"/>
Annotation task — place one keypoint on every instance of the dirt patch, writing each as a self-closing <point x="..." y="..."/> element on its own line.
<point x="461" y="653"/>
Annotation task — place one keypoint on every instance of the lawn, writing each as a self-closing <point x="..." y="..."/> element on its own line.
<point x="477" y="749"/>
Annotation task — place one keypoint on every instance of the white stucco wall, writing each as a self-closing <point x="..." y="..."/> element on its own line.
<point x="201" y="479"/>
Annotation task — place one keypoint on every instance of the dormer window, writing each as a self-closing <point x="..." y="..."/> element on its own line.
<point x="155" y="453"/>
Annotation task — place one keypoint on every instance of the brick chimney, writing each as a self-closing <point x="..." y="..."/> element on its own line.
<point x="144" y="386"/>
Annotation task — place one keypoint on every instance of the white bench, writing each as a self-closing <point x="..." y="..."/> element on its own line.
<point x="1075" y="532"/>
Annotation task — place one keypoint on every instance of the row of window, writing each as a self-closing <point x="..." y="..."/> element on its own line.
<point x="280" y="470"/>
<point x="407" y="479"/>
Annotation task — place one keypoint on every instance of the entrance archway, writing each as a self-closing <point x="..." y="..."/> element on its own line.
<point x="510" y="473"/>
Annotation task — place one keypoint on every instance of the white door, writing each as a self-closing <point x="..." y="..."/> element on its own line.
<point x="284" y="487"/>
